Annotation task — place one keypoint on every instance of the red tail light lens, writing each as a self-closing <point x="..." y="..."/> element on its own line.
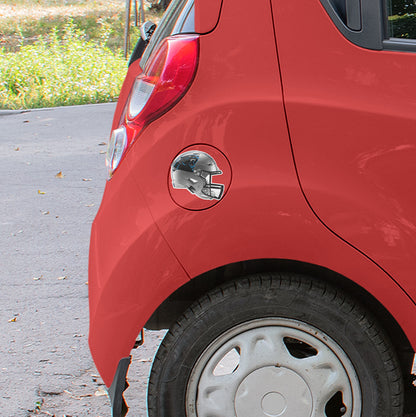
<point x="163" y="82"/>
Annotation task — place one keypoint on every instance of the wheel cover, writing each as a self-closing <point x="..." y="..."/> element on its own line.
<point x="273" y="367"/>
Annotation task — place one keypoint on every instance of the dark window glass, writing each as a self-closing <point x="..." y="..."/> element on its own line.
<point x="402" y="18"/>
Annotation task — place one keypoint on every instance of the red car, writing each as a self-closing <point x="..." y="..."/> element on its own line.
<point x="260" y="206"/>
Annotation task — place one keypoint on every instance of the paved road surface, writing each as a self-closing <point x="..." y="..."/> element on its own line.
<point x="44" y="231"/>
<point x="44" y="234"/>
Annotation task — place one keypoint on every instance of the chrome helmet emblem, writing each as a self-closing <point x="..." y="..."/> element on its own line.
<point x="193" y="171"/>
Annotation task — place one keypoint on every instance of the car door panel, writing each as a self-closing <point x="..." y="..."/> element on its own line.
<point x="351" y="114"/>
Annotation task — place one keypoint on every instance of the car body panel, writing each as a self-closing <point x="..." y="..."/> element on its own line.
<point x="125" y="257"/>
<point x="352" y="118"/>
<point x="144" y="246"/>
<point x="207" y="14"/>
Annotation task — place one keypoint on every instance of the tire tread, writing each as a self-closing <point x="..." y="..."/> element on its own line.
<point x="296" y="284"/>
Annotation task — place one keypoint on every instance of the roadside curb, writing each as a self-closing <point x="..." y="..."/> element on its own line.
<point x="21" y="111"/>
<point x="12" y="112"/>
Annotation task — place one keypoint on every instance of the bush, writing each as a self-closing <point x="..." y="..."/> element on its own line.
<point x="403" y="26"/>
<point x="62" y="69"/>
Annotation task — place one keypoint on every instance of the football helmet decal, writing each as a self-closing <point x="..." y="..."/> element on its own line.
<point x="193" y="171"/>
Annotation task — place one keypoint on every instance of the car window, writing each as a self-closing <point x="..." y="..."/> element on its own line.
<point x="402" y="18"/>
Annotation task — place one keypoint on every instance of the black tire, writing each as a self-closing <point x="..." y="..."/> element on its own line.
<point x="338" y="320"/>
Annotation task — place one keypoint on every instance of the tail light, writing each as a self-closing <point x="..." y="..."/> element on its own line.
<point x="163" y="82"/>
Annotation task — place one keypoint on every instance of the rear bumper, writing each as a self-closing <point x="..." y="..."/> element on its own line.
<point x="131" y="272"/>
<point x="118" y="404"/>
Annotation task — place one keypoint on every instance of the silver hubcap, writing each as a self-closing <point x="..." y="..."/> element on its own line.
<point x="273" y="368"/>
<point x="272" y="391"/>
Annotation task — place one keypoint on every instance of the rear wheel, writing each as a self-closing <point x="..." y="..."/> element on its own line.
<point x="267" y="346"/>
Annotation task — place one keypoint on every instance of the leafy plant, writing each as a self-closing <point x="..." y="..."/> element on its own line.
<point x="61" y="69"/>
<point x="23" y="21"/>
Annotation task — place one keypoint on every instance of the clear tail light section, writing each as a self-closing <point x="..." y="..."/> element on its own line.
<point x="163" y="82"/>
<point x="115" y="150"/>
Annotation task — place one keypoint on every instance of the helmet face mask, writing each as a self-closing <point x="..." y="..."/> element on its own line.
<point x="193" y="171"/>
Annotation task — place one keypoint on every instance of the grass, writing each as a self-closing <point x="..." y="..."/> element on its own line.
<point x="22" y="23"/>
<point x="63" y="70"/>
<point x="61" y="52"/>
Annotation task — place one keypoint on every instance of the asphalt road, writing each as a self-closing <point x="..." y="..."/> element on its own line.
<point x="53" y="175"/>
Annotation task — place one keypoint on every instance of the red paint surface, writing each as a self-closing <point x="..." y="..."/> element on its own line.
<point x="207" y="14"/>
<point x="130" y="272"/>
<point x="352" y="118"/>
<point x="354" y="156"/>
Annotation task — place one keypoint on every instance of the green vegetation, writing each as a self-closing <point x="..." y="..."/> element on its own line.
<point x="23" y="24"/>
<point x="402" y="19"/>
<point x="63" y="70"/>
<point x="61" y="52"/>
<point x="403" y="26"/>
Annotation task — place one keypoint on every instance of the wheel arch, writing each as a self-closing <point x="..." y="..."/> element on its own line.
<point x="171" y="309"/>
